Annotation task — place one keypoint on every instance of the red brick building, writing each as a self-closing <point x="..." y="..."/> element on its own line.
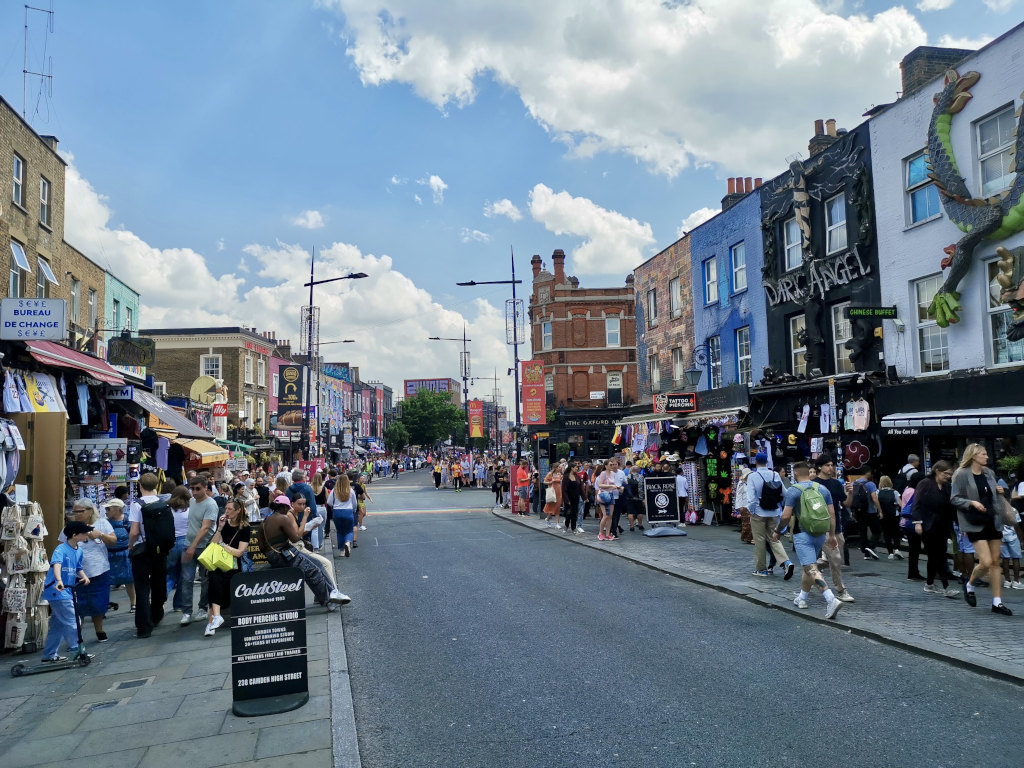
<point x="587" y="340"/>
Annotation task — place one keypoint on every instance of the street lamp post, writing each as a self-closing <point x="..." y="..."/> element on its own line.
<point x="464" y="367"/>
<point x="515" y="337"/>
<point x="309" y="346"/>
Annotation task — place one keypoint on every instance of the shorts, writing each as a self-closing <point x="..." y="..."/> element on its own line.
<point x="988" y="533"/>
<point x="807" y="547"/>
<point x="1011" y="547"/>
<point x="962" y="543"/>
<point x="605" y="497"/>
<point x="523" y="492"/>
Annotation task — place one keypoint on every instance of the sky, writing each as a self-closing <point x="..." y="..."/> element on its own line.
<point x="214" y="146"/>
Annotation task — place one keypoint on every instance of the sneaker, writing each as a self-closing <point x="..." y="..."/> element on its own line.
<point x="558" y="527"/>
<point x="892" y="555"/>
<point x="759" y="573"/>
<point x="821" y="562"/>
<point x="348" y="549"/>
<point x="101" y="637"/>
<point x="54" y="659"/>
<point x="600" y="537"/>
<point x="580" y="530"/>
<point x="1016" y="585"/>
<point x="898" y="555"/>
<point x="844" y="596"/>
<point x="610" y="538"/>
<point x="217" y="622"/>
<point x="833" y="607"/>
<point x="362" y="527"/>
<point x="771" y="571"/>
<point x="201" y="614"/>
<point x="934" y="589"/>
<point x="186" y="619"/>
<point x="1001" y="608"/>
<point x="339" y="597"/>
<point x="953" y="593"/>
<point x="641" y="527"/>
<point x="210" y="630"/>
<point x="789" y="570"/>
<point x="799" y="603"/>
<point x="1006" y="584"/>
<point x="869" y="554"/>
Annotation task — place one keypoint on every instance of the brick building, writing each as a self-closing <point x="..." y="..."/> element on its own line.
<point x="239" y="356"/>
<point x="587" y="340"/>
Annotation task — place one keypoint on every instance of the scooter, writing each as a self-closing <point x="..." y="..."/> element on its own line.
<point x="81" y="659"/>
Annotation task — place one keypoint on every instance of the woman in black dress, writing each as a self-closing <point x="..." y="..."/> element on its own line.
<point x="234" y="537"/>
<point x="933" y="521"/>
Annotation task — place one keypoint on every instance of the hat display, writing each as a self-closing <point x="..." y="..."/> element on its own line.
<point x="673" y="457"/>
<point x="75" y="528"/>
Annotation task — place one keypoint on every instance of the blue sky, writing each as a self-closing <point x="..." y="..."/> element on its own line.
<point x="220" y="140"/>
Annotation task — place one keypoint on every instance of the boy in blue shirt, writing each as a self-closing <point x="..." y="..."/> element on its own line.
<point x="65" y="567"/>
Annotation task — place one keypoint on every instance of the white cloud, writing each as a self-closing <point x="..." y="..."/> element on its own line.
<point x="309" y="220"/>
<point x="613" y="243"/>
<point x="503" y="207"/>
<point x="474" y="236"/>
<point x="968" y="43"/>
<point x="220" y="244"/>
<point x="999" y="6"/>
<point x="934" y="5"/>
<point x="397" y="180"/>
<point x="695" y="219"/>
<point x="437" y="187"/>
<point x="670" y="83"/>
<point x="418" y="199"/>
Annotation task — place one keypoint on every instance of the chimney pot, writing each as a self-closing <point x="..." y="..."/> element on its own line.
<point x="748" y="184"/>
<point x="830" y="126"/>
<point x="732" y="186"/>
<point x="757" y="183"/>
<point x="558" y="259"/>
<point x="819" y="127"/>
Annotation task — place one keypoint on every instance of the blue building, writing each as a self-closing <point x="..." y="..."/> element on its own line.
<point x="120" y="313"/>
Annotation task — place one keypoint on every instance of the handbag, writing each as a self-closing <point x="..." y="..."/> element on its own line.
<point x="216" y="558"/>
<point x="549" y="496"/>
<point x="974" y="517"/>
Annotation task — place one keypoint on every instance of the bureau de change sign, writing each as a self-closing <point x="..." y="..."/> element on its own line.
<point x="269" y="668"/>
<point x="33" y="319"/>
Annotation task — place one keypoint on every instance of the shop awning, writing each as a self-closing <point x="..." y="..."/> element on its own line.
<point x="359" y="449"/>
<point x="646" y="417"/>
<point x="208" y="453"/>
<point x="718" y="413"/>
<point x="51" y="353"/>
<point x="233" y="446"/>
<point x="174" y="420"/>
<point x="1009" y="417"/>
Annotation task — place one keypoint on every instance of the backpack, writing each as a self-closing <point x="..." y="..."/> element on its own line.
<point x="814" y="517"/>
<point x="771" y="492"/>
<point x="889" y="501"/>
<point x="899" y="482"/>
<point x="158" y="525"/>
<point x="860" y="500"/>
<point x="907" y="514"/>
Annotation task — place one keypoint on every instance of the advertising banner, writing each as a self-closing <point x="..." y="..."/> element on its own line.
<point x="660" y="495"/>
<point x="290" y="397"/>
<point x="476" y="418"/>
<point x="676" y="402"/>
<point x="533" y="396"/>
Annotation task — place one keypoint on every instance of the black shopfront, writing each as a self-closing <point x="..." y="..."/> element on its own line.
<point x="588" y="431"/>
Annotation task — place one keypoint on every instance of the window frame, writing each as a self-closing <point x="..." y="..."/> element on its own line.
<point x="840" y="355"/>
<point x="249" y="405"/>
<point x="203" y="367"/>
<point x="1002" y="148"/>
<point x="714" y="362"/>
<point x="160" y="388"/>
<point x="654" y="370"/>
<point x="994" y="310"/>
<point x="924" y="324"/>
<point x="42" y="287"/>
<point x="546" y="334"/>
<point x="75" y="305"/>
<point x="652" y="307"/>
<point x="675" y="298"/>
<point x="925" y="185"/>
<point x="743" y="357"/>
<point x="788" y="247"/>
<point x="247" y="370"/>
<point x="93" y="308"/>
<point x="617" y="332"/>
<point x="275" y="386"/>
<point x="738" y="269"/>
<point x="261" y="372"/>
<point x="129" y="318"/>
<point x="18" y="185"/>
<point x="611" y="387"/>
<point x="678" y="365"/>
<point x="261" y="411"/>
<point x="710" y="269"/>
<point x="45" y="189"/>
<point x="832" y="227"/>
<point x="116" y="314"/>
<point x="794" y="350"/>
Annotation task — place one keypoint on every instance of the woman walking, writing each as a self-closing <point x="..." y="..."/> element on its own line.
<point x="343" y="502"/>
<point x="553" y="494"/>
<point x="435" y="470"/>
<point x="117" y="553"/>
<point x="607" y="492"/>
<point x="889" y="501"/>
<point x="978" y="505"/>
<point x="933" y="517"/>
<point x="571" y="490"/>
<point x="913" y="538"/>
<point x="94" y="597"/>
<point x="233" y="535"/>
<point x="179" y="504"/>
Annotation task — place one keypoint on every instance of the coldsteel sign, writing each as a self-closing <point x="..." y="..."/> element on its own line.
<point x="676" y="402"/>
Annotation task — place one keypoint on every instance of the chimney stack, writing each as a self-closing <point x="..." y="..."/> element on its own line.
<point x="748" y="184"/>
<point x="824" y="136"/>
<point x="736" y="187"/>
<point x="558" y="259"/>
<point x="757" y="183"/>
<point x="535" y="265"/>
<point x="926" y="63"/>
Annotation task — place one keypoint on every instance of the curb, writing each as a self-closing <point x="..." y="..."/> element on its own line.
<point x="1016" y="678"/>
<point x="344" y="741"/>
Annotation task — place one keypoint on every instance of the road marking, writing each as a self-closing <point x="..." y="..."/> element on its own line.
<point x="373" y="512"/>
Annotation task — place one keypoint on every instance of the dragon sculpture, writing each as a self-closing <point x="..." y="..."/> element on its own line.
<point x="993" y="218"/>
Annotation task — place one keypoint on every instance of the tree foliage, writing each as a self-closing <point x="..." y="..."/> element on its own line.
<point x="396" y="436"/>
<point x="431" y="416"/>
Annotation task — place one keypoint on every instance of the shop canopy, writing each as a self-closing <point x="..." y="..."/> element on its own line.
<point x="174" y="420"/>
<point x="646" y="417"/>
<point x="51" y="353"/>
<point x="234" y="446"/>
<point x="208" y="453"/>
<point x="1008" y="420"/>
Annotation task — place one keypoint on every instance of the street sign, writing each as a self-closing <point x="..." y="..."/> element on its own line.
<point x="236" y="465"/>
<point x="33" y="319"/>
<point x="876" y="313"/>
<point x="660" y="495"/>
<point x="269" y="669"/>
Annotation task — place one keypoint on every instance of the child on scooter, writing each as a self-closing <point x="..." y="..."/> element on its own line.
<point x="66" y="566"/>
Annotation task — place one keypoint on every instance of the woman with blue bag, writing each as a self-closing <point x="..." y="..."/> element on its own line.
<point x="117" y="554"/>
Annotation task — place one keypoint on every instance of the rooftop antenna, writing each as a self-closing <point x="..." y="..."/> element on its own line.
<point x="46" y="75"/>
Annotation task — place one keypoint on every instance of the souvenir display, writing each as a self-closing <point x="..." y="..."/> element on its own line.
<point x="94" y="468"/>
<point x="23" y="566"/>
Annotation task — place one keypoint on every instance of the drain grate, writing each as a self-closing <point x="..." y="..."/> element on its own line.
<point x="136" y="683"/>
<point x="102" y="705"/>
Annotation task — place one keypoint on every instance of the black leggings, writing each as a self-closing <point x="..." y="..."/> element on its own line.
<point x="868" y="523"/>
<point x="437" y="479"/>
<point x="913" y="553"/>
<point x="570" y="508"/>
<point x="497" y="493"/>
<point x="935" y="549"/>
<point x="892" y="533"/>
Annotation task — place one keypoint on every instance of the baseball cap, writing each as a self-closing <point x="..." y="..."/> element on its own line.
<point x="74" y="528"/>
<point x="282" y="499"/>
<point x="113" y="503"/>
<point x="761" y="457"/>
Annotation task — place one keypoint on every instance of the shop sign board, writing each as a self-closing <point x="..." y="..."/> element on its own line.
<point x="120" y="393"/>
<point x="33" y="319"/>
<point x="269" y="666"/>
<point x="874" y="313"/>
<point x="236" y="465"/>
<point x="675" y="402"/>
<point x="476" y="418"/>
<point x="138" y="351"/>
<point x="291" y="390"/>
<point x="220" y="410"/>
<point x="660" y="495"/>
<point x="533" y="395"/>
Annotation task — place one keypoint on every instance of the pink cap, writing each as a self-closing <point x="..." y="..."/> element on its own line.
<point x="283" y="500"/>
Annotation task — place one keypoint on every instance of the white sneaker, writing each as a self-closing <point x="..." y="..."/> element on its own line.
<point x="580" y="530"/>
<point x="1006" y="584"/>
<point x="832" y="608"/>
<point x="186" y="619"/>
<point x="216" y="622"/>
<point x="892" y="556"/>
<point x="210" y="630"/>
<point x="201" y="614"/>
<point x="799" y="602"/>
<point x="934" y="589"/>
<point x="362" y="527"/>
<point x="339" y="597"/>
<point x="898" y="555"/>
<point x="1016" y="585"/>
<point x="845" y="597"/>
<point x="558" y="526"/>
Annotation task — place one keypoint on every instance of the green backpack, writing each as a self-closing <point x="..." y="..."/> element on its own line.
<point x="814" y="516"/>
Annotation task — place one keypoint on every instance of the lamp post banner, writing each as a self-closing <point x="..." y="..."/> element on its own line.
<point x="533" y="395"/>
<point x="476" y="418"/>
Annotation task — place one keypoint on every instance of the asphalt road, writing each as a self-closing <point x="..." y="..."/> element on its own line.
<point x="475" y="642"/>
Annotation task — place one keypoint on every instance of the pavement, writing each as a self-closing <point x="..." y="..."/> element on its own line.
<point x="887" y="608"/>
<point x="166" y="701"/>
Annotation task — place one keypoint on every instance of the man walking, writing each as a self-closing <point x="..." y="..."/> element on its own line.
<point x="149" y="567"/>
<point x="868" y="512"/>
<point x="834" y="557"/>
<point x="682" y="495"/>
<point x="202" y="524"/>
<point x="764" y="498"/>
<point x="809" y="505"/>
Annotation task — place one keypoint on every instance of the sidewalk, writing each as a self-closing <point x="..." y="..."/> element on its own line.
<point x="888" y="608"/>
<point x="166" y="701"/>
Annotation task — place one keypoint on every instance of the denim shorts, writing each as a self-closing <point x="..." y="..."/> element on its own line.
<point x="807" y="547"/>
<point x="1010" y="548"/>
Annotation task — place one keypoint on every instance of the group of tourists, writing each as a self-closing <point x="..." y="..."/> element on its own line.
<point x="152" y="545"/>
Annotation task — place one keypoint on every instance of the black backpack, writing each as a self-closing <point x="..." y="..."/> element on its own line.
<point x="771" y="493"/>
<point x="861" y="499"/>
<point x="158" y="525"/>
<point x="889" y="500"/>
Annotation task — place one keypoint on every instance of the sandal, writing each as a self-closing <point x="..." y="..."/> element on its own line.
<point x="132" y="610"/>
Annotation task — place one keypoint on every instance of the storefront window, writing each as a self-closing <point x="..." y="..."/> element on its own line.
<point x="797" y="345"/>
<point x="842" y="332"/>
<point x="614" y="383"/>
<point x="1000" y="318"/>
<point x="932" y="341"/>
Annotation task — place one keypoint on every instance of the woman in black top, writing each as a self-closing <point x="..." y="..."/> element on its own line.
<point x="234" y="537"/>
<point x="933" y="520"/>
<point x="572" y="490"/>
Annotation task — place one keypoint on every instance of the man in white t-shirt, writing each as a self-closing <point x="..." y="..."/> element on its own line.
<point x="149" y="570"/>
<point x="203" y="513"/>
<point x="620" y="480"/>
<point x="682" y="495"/>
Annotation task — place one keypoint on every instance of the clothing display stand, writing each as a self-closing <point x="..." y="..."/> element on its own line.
<point x="23" y="566"/>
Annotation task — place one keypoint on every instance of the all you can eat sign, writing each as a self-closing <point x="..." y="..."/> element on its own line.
<point x="29" y="319"/>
